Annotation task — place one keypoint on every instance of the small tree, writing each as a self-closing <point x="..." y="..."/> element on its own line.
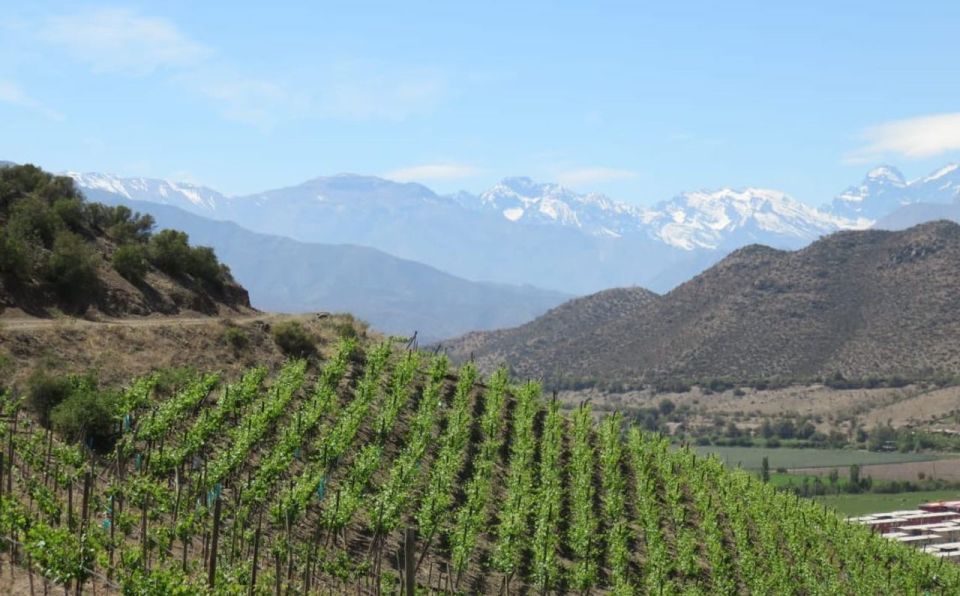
<point x="72" y="267"/>
<point x="130" y="261"/>
<point x="666" y="407"/>
<point x="86" y="416"/>
<point x="786" y="429"/>
<point x="855" y="478"/>
<point x="14" y="257"/>
<point x="170" y="252"/>
<point x="45" y="392"/>
<point x="766" y="429"/>
<point x="765" y="469"/>
<point x="34" y="221"/>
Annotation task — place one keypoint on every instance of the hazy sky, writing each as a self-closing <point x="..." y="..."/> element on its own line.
<point x="639" y="100"/>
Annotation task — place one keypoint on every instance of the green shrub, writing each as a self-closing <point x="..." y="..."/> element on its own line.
<point x="346" y="330"/>
<point x="236" y="338"/>
<point x="124" y="225"/>
<point x="45" y="392"/>
<point x="171" y="252"/>
<point x="293" y="340"/>
<point x="172" y="379"/>
<point x="14" y="257"/>
<point x="72" y="267"/>
<point x="130" y="261"/>
<point x="6" y="368"/>
<point x="87" y="416"/>
<point x="205" y="267"/>
<point x="71" y="212"/>
<point x="34" y="221"/>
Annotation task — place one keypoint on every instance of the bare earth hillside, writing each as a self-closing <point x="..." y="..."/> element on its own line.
<point x="864" y="303"/>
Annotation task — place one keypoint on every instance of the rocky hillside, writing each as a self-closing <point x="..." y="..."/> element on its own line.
<point x="858" y="303"/>
<point x="62" y="254"/>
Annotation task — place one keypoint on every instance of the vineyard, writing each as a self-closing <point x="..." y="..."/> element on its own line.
<point x="309" y="479"/>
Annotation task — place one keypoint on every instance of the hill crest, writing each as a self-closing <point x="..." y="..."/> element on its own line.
<point x="857" y="303"/>
<point x="62" y="254"/>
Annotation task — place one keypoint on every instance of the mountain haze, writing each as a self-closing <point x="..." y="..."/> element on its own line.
<point x="520" y="231"/>
<point x="394" y="295"/>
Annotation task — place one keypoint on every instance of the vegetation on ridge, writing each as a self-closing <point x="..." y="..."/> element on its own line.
<point x="57" y="251"/>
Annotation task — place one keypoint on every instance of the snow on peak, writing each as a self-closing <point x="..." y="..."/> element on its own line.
<point x="693" y="220"/>
<point x="885" y="190"/>
<point x="944" y="171"/>
<point x="886" y="174"/>
<point x="183" y="194"/>
<point x="710" y="219"/>
<point x="105" y="182"/>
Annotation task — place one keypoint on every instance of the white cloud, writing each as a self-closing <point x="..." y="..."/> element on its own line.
<point x="915" y="138"/>
<point x="432" y="172"/>
<point x="121" y="41"/>
<point x="358" y="90"/>
<point x="125" y="42"/>
<point x="11" y="93"/>
<point x="248" y="100"/>
<point x="593" y="175"/>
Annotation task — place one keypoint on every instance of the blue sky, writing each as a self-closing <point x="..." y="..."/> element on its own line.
<point x="637" y="100"/>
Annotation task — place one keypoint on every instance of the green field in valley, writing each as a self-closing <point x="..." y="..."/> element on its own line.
<point x="790" y="457"/>
<point x="862" y="504"/>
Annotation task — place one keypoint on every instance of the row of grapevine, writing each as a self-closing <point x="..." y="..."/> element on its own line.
<point x="271" y="484"/>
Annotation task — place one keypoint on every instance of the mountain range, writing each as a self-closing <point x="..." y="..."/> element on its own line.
<point x="884" y="191"/>
<point x="396" y="295"/>
<point x="523" y="232"/>
<point x="858" y="303"/>
<point x="526" y="235"/>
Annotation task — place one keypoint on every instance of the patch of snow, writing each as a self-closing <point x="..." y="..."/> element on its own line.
<point x="513" y="214"/>
<point x="947" y="169"/>
<point x="887" y="173"/>
<point x="100" y="182"/>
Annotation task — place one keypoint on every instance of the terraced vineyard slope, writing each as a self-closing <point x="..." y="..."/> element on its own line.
<point x="305" y="480"/>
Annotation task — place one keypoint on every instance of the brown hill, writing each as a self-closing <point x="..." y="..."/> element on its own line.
<point x="866" y="303"/>
<point x="62" y="254"/>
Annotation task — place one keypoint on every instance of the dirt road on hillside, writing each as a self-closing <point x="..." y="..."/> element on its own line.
<point x="31" y="324"/>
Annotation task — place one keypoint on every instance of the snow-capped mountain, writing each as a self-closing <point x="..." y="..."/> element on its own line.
<point x="884" y="190"/>
<point x="524" y="201"/>
<point x="730" y="218"/>
<point x="704" y="219"/>
<point x="188" y="196"/>
<point x="520" y="231"/>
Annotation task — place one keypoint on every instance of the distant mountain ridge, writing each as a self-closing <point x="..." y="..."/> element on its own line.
<point x="884" y="190"/>
<point x="395" y="295"/>
<point x="524" y="232"/>
<point x="859" y="303"/>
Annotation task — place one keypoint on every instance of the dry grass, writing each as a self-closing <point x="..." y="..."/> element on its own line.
<point x="912" y="406"/>
<point x="124" y="349"/>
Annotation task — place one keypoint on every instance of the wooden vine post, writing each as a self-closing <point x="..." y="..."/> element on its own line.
<point x="409" y="560"/>
<point x="214" y="542"/>
<point x="256" y="554"/>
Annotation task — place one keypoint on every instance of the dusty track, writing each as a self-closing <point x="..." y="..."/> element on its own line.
<point x="31" y="324"/>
